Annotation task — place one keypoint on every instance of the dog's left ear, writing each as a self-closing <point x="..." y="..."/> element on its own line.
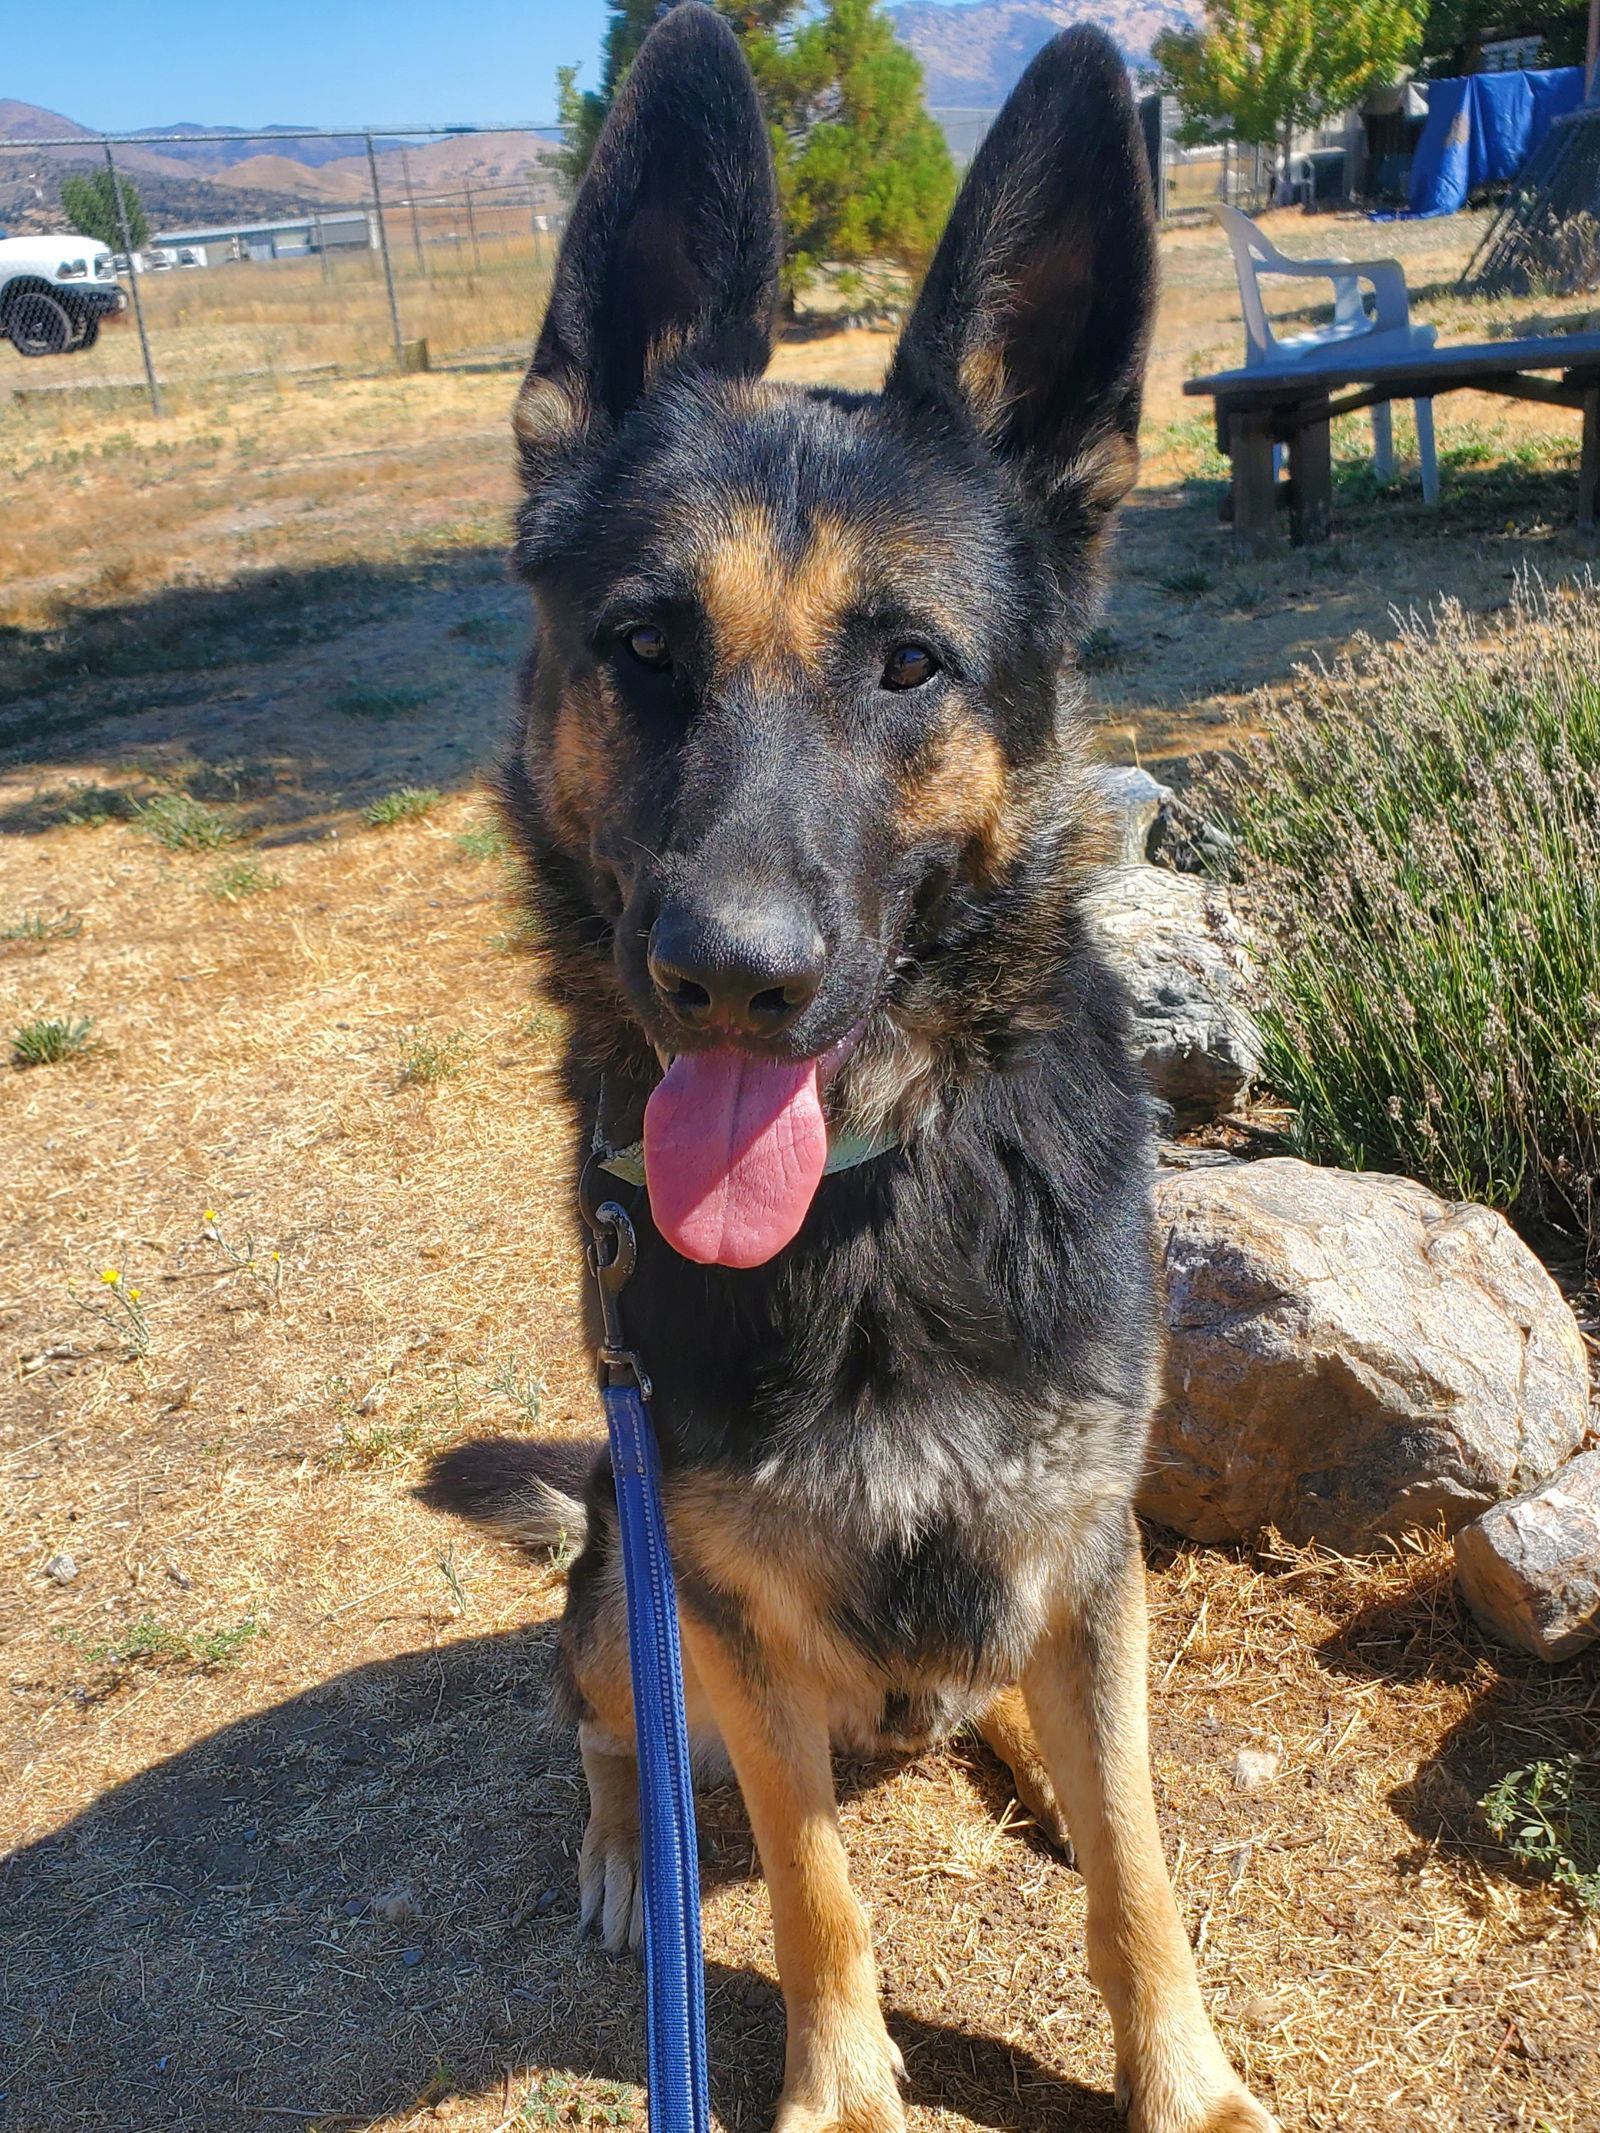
<point x="1032" y="324"/>
<point x="672" y="250"/>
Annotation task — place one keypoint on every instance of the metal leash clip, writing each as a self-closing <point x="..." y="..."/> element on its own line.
<point x="612" y="1253"/>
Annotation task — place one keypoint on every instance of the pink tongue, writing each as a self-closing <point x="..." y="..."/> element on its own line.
<point x="734" y="1149"/>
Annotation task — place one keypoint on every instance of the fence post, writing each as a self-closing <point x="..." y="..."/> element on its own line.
<point x="472" y="226"/>
<point x="383" y="247"/>
<point x="411" y="202"/>
<point x="133" y="283"/>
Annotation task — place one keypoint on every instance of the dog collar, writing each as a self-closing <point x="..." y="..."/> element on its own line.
<point x="845" y="1151"/>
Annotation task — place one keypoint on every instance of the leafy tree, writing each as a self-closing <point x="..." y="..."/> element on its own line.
<point x="1258" y="69"/>
<point x="90" y="206"/>
<point x="863" y="171"/>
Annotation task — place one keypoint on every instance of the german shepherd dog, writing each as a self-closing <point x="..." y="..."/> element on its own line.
<point x="797" y="781"/>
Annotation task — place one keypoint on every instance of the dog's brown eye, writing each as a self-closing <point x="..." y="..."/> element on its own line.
<point x="908" y="666"/>
<point x="649" y="646"/>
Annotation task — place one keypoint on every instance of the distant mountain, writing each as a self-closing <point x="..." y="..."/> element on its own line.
<point x="973" y="53"/>
<point x="31" y="122"/>
<point x="255" y="177"/>
<point x="288" y="146"/>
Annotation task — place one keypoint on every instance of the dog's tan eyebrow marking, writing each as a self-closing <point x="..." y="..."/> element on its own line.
<point x="767" y="610"/>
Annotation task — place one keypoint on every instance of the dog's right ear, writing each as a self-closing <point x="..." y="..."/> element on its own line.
<point x="673" y="247"/>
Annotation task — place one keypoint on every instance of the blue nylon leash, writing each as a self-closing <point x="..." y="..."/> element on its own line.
<point x="674" y="1966"/>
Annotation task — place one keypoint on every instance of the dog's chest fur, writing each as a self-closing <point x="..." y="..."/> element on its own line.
<point x="880" y="1452"/>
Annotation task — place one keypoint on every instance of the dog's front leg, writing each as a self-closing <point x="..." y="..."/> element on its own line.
<point x="841" y="2069"/>
<point x="1086" y="1692"/>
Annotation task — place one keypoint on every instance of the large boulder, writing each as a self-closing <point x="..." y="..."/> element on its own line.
<point x="1174" y="941"/>
<point x="1350" y="1356"/>
<point x="1530" y="1569"/>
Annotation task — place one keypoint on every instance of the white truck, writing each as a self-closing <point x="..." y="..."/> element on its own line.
<point x="54" y="292"/>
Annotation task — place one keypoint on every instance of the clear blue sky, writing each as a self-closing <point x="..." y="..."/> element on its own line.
<point x="115" y="65"/>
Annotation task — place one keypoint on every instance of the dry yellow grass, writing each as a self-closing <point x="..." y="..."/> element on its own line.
<point x="331" y="1883"/>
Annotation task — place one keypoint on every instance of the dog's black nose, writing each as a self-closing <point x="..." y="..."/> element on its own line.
<point x="749" y="972"/>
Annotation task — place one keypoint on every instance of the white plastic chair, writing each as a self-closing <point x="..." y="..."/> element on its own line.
<point x="1386" y="330"/>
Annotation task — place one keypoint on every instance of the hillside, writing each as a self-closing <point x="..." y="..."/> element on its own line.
<point x="185" y="184"/>
<point x="972" y="53"/>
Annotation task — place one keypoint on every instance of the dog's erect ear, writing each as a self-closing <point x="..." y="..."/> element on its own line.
<point x="1032" y="323"/>
<point x="673" y="246"/>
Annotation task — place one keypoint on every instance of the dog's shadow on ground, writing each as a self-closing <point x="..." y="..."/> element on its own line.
<point x="363" y="1898"/>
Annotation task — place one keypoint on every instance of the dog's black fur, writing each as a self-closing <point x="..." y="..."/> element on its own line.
<point x="926" y="1415"/>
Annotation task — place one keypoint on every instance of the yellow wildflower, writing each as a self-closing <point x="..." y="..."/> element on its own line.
<point x="110" y="1276"/>
<point x="134" y="1295"/>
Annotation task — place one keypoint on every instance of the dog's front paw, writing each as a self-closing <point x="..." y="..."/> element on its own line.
<point x="611" y="1885"/>
<point x="848" y="2084"/>
<point x="1170" y="2109"/>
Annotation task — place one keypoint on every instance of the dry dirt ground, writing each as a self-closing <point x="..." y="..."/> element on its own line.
<point x="293" y="1841"/>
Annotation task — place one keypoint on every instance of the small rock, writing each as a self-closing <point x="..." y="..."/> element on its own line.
<point x="63" y="1568"/>
<point x="397" y="1908"/>
<point x="1350" y="1357"/>
<point x="1133" y="800"/>
<point x="411" y="1957"/>
<point x="180" y="1578"/>
<point x="1185" y="961"/>
<point x="1530" y="1569"/>
<point x="1255" y="1767"/>
<point x="372" y="1399"/>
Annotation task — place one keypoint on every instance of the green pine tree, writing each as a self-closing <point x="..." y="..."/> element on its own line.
<point x="90" y="206"/>
<point x="582" y="112"/>
<point x="864" y="172"/>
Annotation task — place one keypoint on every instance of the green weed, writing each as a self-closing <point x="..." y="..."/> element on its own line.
<point x="42" y="927"/>
<point x="266" y="1274"/>
<point x="486" y="840"/>
<point x="88" y="806"/>
<point x="569" y="2100"/>
<point x="1548" y="1816"/>
<point x="184" y="824"/>
<point x="241" y="878"/>
<point x="425" y="1059"/>
<point x="525" y="1394"/>
<point x="152" y="1643"/>
<point x="52" y="1041"/>
<point x="1187" y="584"/>
<point x="409" y="804"/>
<point x="121" y="1307"/>
<point x="382" y="700"/>
<point x="373" y="1444"/>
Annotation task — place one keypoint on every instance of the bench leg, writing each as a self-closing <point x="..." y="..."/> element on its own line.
<point x="1255" y="502"/>
<point x="1311" y="474"/>
<point x="1589" y="465"/>
<point x="1427" y="456"/>
<point x="1383" y="440"/>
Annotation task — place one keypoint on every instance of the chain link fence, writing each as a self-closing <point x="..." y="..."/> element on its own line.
<point x="274" y="257"/>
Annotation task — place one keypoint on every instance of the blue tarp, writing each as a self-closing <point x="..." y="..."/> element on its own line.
<point x="1484" y="126"/>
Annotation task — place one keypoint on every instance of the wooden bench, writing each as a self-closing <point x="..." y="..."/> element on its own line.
<point x="1258" y="409"/>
